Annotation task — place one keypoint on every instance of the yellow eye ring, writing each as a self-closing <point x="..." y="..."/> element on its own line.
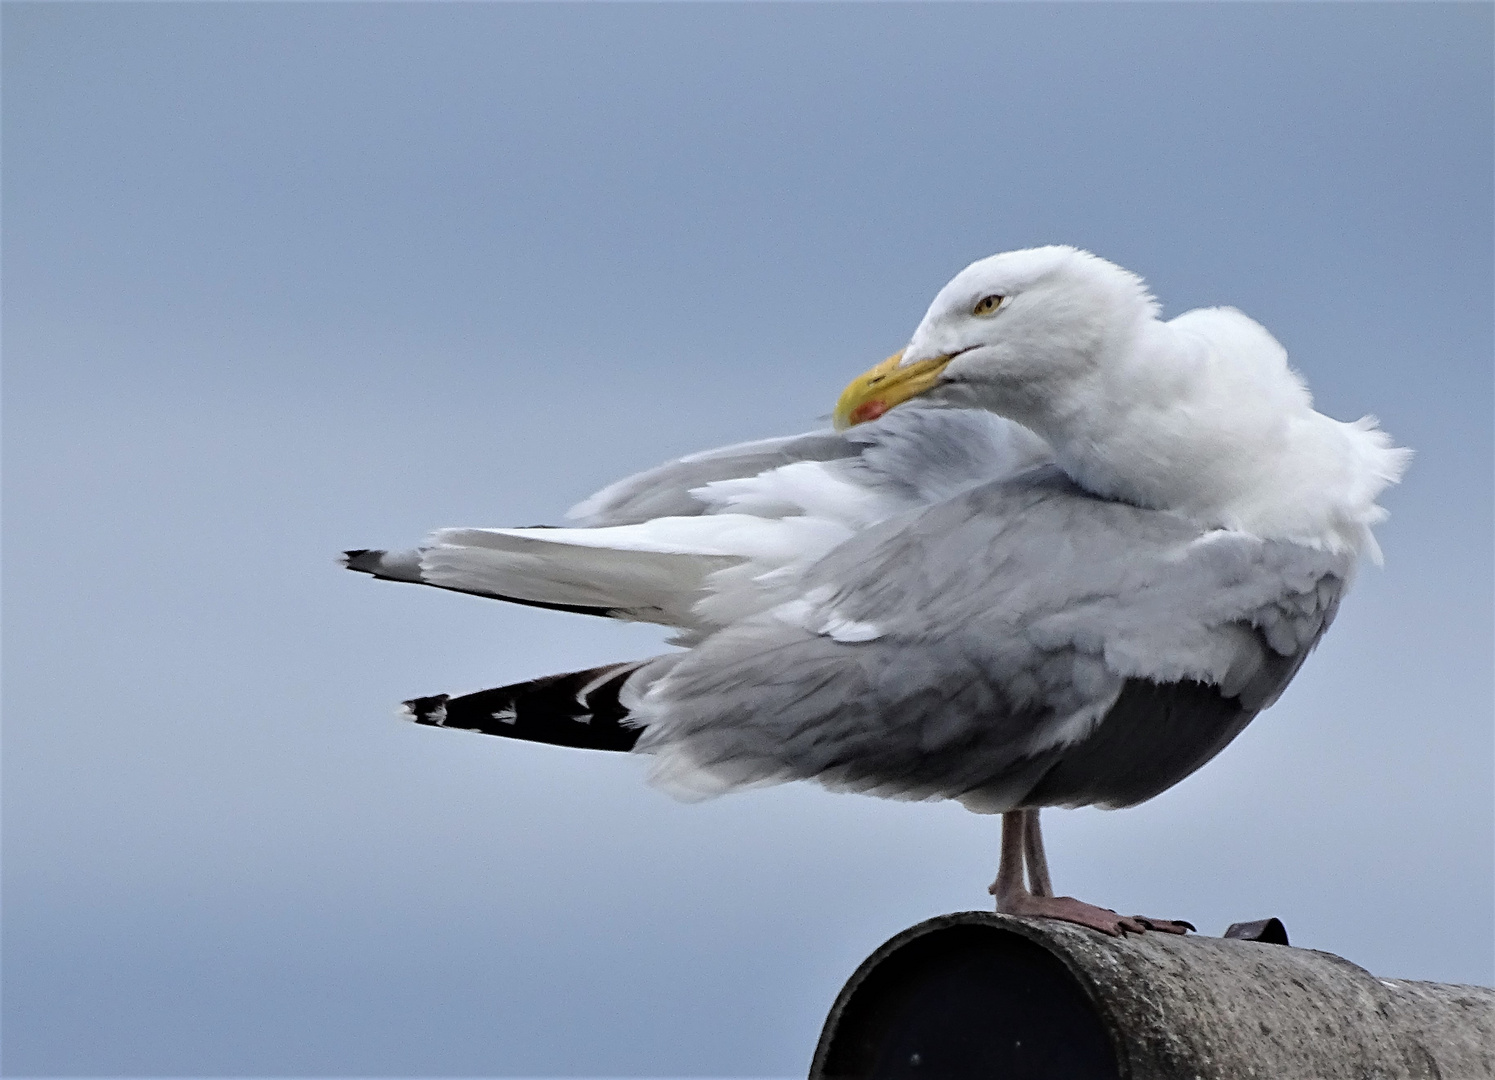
<point x="987" y="305"/>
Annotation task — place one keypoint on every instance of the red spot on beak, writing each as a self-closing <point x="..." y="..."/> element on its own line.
<point x="868" y="410"/>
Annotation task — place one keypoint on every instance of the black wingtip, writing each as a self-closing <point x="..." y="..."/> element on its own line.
<point x="430" y="711"/>
<point x="579" y="708"/>
<point x="364" y="560"/>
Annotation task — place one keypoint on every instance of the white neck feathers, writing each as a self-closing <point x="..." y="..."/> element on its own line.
<point x="1203" y="416"/>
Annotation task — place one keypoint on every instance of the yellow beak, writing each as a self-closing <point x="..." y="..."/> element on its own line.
<point x="875" y="392"/>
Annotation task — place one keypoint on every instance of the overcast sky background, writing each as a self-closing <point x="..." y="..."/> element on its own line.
<point x="285" y="279"/>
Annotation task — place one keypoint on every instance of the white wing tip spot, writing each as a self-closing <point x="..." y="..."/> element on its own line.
<point x="849" y="630"/>
<point x="436" y="715"/>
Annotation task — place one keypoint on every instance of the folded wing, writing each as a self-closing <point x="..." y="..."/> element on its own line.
<point x="1024" y="643"/>
<point x="700" y="542"/>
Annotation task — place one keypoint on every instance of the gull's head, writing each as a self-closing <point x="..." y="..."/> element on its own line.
<point x="1009" y="333"/>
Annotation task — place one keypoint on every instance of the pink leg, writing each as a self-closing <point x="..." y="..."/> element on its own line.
<point x="1038" y="863"/>
<point x="1022" y="842"/>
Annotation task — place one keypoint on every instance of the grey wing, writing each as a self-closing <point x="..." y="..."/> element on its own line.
<point x="665" y="490"/>
<point x="1023" y="643"/>
<point x="699" y="541"/>
<point x="564" y="577"/>
<point x="911" y="457"/>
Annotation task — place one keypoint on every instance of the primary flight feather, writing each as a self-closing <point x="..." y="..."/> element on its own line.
<point x="1057" y="552"/>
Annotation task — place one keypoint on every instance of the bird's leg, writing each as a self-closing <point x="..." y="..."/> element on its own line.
<point x="1022" y="842"/>
<point x="1010" y="870"/>
<point x="1038" y="864"/>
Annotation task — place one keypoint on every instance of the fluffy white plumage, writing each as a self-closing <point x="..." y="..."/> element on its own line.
<point x="1200" y="415"/>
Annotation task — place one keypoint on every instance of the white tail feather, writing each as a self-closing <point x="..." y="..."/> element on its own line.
<point x="527" y="565"/>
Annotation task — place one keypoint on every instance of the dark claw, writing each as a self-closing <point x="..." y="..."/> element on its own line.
<point x="1165" y="926"/>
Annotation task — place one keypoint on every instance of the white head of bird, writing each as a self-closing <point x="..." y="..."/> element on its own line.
<point x="1201" y="414"/>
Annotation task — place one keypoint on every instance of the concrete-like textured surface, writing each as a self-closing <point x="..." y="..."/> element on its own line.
<point x="1203" y="1008"/>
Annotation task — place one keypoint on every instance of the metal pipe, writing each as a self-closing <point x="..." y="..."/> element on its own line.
<point x="977" y="994"/>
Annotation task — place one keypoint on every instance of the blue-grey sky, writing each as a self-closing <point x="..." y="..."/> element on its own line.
<point x="284" y="279"/>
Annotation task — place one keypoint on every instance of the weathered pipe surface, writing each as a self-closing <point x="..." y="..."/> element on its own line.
<point x="982" y="995"/>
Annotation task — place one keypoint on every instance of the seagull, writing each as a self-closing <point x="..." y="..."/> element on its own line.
<point x="1055" y="552"/>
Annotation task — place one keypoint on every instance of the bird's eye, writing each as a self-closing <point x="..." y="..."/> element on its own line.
<point x="987" y="305"/>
